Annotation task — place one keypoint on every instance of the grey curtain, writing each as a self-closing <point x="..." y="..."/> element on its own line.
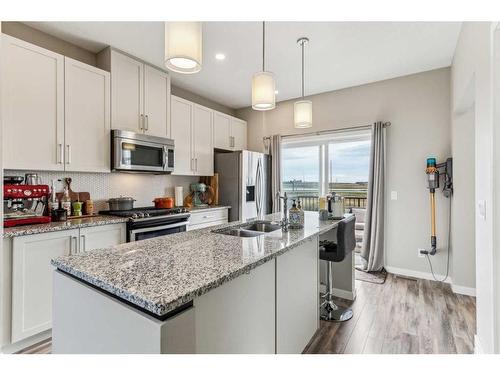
<point x="276" y="170"/>
<point x="373" y="239"/>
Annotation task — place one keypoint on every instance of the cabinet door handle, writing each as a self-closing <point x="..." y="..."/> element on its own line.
<point x="147" y="123"/>
<point x="196" y="164"/>
<point x="191" y="165"/>
<point x="141" y="122"/>
<point x="83" y="246"/>
<point x="68" y="156"/>
<point x="59" y="153"/>
<point x="73" y="250"/>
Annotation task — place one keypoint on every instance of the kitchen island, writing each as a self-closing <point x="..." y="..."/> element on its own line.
<point x="194" y="292"/>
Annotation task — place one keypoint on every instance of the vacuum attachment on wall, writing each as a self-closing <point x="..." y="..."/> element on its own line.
<point x="434" y="172"/>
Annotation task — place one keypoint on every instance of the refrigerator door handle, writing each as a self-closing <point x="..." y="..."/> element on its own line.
<point x="258" y="189"/>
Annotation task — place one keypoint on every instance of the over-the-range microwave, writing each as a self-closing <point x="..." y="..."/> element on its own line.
<point x="135" y="152"/>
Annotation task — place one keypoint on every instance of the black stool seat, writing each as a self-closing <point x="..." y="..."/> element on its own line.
<point x="329" y="252"/>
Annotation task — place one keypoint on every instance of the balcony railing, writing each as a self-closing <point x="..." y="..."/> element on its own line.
<point x="311" y="202"/>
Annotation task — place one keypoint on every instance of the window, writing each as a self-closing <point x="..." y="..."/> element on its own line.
<point x="314" y="166"/>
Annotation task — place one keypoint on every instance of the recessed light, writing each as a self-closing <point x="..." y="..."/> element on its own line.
<point x="220" y="56"/>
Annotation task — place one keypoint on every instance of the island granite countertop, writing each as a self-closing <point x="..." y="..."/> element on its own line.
<point x="24" y="230"/>
<point x="164" y="273"/>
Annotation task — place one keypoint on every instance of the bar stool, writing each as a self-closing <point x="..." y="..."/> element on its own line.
<point x="336" y="252"/>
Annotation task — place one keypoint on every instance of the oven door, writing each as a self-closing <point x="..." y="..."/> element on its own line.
<point x="141" y="156"/>
<point x="156" y="231"/>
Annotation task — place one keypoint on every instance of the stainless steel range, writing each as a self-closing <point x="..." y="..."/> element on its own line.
<point x="149" y="222"/>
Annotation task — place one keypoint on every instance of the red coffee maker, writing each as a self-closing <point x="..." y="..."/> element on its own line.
<point x="24" y="204"/>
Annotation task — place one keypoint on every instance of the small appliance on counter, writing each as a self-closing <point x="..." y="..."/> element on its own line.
<point x="200" y="195"/>
<point x="336" y="206"/>
<point x="24" y="204"/>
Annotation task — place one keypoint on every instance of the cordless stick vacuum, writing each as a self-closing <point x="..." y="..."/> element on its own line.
<point x="434" y="171"/>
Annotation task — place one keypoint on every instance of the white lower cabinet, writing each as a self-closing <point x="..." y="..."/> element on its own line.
<point x="32" y="272"/>
<point x="102" y="236"/>
<point x="32" y="279"/>
<point x="207" y="218"/>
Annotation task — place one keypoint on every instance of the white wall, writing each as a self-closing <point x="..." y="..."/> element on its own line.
<point x="472" y="83"/>
<point x="463" y="209"/>
<point x="418" y="106"/>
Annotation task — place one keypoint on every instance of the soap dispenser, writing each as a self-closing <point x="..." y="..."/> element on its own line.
<point x="295" y="217"/>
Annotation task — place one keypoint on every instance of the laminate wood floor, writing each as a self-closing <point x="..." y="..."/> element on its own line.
<point x="402" y="316"/>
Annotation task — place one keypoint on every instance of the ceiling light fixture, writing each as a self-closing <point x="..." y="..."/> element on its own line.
<point x="302" y="109"/>
<point x="263" y="85"/>
<point x="183" y="46"/>
<point x="220" y="56"/>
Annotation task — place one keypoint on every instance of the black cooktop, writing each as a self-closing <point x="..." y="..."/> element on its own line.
<point x="141" y="212"/>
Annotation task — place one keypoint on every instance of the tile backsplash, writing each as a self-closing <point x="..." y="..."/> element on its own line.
<point x="102" y="186"/>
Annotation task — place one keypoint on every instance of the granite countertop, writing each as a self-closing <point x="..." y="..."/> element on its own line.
<point x="24" y="230"/>
<point x="163" y="273"/>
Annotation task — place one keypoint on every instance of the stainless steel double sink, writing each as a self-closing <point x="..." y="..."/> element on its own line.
<point x="253" y="229"/>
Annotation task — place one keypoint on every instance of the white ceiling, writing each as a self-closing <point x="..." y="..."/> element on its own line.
<point x="339" y="55"/>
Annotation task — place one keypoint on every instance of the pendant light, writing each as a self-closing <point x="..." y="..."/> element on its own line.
<point x="302" y="109"/>
<point x="183" y="46"/>
<point x="263" y="85"/>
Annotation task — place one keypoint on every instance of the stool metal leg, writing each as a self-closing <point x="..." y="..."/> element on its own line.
<point x="329" y="310"/>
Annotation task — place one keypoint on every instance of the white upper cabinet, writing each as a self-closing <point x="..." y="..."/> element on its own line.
<point x="87" y="117"/>
<point x="139" y="96"/>
<point x="203" y="149"/>
<point x="127" y="101"/>
<point x="239" y="133"/>
<point x="230" y="133"/>
<point x="156" y="95"/>
<point x="222" y="131"/>
<point x="181" y="118"/>
<point x="33" y="106"/>
<point x="192" y="132"/>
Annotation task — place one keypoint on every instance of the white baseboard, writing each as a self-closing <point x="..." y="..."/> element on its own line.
<point x="25" y="343"/>
<point x="415" y="274"/>
<point x="465" y="290"/>
<point x="477" y="346"/>
<point x="341" y="293"/>
<point x="458" y="289"/>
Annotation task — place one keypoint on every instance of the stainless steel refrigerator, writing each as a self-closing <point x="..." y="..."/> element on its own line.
<point x="244" y="183"/>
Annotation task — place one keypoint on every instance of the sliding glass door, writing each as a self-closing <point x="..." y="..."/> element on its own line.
<point x="348" y="167"/>
<point x="314" y="166"/>
<point x="301" y="172"/>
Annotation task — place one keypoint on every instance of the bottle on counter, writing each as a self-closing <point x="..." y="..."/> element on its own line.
<point x="66" y="201"/>
<point x="53" y="203"/>
<point x="295" y="217"/>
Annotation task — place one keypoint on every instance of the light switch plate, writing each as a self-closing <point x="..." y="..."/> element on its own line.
<point x="394" y="195"/>
<point x="481" y="208"/>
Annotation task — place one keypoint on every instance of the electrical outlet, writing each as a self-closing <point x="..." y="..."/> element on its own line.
<point x="419" y="253"/>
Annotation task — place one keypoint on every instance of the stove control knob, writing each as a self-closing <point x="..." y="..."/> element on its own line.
<point x="141" y="214"/>
<point x="134" y="216"/>
<point x="147" y="214"/>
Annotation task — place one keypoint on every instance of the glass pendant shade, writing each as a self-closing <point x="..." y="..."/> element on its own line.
<point x="263" y="91"/>
<point x="183" y="46"/>
<point x="302" y="114"/>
